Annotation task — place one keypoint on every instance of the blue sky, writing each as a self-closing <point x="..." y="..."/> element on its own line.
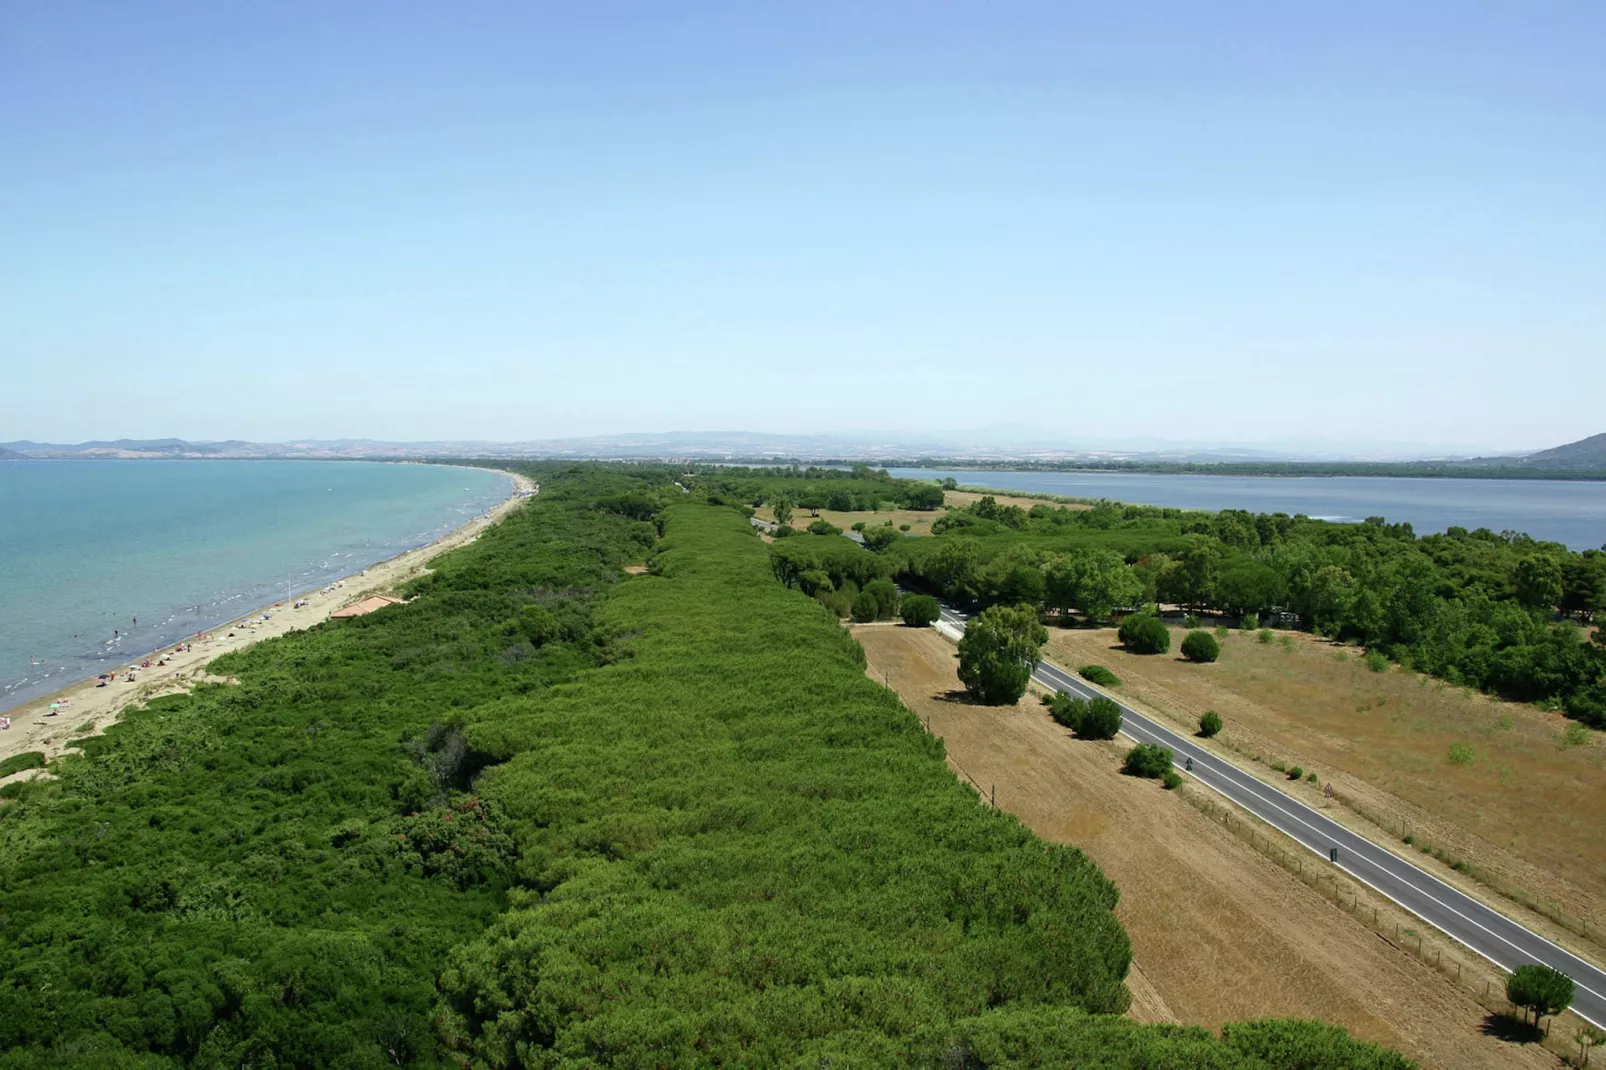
<point x="1239" y="222"/>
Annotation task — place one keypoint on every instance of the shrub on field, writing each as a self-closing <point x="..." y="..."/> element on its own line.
<point x="1099" y="675"/>
<point x="1147" y="760"/>
<point x="1377" y="661"/>
<point x="1200" y="647"/>
<point x="1101" y="720"/>
<point x="1296" y="773"/>
<point x="824" y="527"/>
<point x="1209" y="724"/>
<point x="920" y="610"/>
<point x="865" y="606"/>
<point x="1143" y="633"/>
<point x="886" y="597"/>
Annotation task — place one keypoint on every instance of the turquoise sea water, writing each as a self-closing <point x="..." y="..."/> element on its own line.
<point x="88" y="547"/>
<point x="1572" y="512"/>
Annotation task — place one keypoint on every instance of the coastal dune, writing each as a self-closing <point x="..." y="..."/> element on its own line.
<point x="85" y="708"/>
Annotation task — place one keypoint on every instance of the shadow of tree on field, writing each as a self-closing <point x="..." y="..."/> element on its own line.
<point x="958" y="696"/>
<point x="1504" y="1026"/>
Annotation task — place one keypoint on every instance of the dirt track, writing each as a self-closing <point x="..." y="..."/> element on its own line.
<point x="1220" y="933"/>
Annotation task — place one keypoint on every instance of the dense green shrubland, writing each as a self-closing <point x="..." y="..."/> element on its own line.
<point x="274" y="872"/>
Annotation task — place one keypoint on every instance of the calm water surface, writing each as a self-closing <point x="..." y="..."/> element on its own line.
<point x="88" y="546"/>
<point x="1570" y="512"/>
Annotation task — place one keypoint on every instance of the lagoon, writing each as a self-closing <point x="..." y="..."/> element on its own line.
<point x="1572" y="512"/>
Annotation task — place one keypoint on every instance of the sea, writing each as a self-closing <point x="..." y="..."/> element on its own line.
<point x="103" y="560"/>
<point x="1571" y="512"/>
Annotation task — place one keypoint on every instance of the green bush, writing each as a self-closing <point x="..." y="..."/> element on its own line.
<point x="1101" y="720"/>
<point x="823" y="527"/>
<point x="1295" y="773"/>
<point x="1099" y="675"/>
<point x="1171" y="779"/>
<point x="1200" y="647"/>
<point x="1143" y="633"/>
<point x="31" y="759"/>
<point x="1147" y="760"/>
<point x="865" y="606"/>
<point x="1249" y="622"/>
<point x="886" y="597"/>
<point x="1377" y="661"/>
<point x="1066" y="709"/>
<point x="1190" y="622"/>
<point x="1461" y="753"/>
<point x="1312" y="778"/>
<point x="1266" y="636"/>
<point x="920" y="610"/>
<point x="1209" y="724"/>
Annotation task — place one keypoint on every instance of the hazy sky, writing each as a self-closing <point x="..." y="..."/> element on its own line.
<point x="1216" y="220"/>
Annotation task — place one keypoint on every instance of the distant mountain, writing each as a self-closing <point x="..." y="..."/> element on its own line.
<point x="879" y="447"/>
<point x="1587" y="454"/>
<point x="10" y="455"/>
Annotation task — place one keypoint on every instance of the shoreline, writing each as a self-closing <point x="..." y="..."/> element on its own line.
<point x="91" y="708"/>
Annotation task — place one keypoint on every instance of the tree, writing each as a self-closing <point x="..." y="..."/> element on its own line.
<point x="1209" y="724"/>
<point x="824" y="527"/>
<point x="812" y="500"/>
<point x="999" y="652"/>
<point x="1015" y="576"/>
<point x="1538" y="582"/>
<point x="1143" y="633"/>
<point x="1587" y="1037"/>
<point x="924" y="498"/>
<point x="1539" y="990"/>
<point x="1200" y="646"/>
<point x="880" y="538"/>
<point x="865" y="607"/>
<point x="955" y="567"/>
<point x="783" y="511"/>
<point x="1060" y="578"/>
<point x="1201" y="568"/>
<point x="920" y="610"/>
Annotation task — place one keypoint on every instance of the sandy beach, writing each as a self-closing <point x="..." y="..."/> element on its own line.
<point x="85" y="708"/>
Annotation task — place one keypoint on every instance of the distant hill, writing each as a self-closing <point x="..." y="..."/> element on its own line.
<point x="1587" y="454"/>
<point x="10" y="455"/>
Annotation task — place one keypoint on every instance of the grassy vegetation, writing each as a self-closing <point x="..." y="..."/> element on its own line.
<point x="32" y="759"/>
<point x="1099" y="675"/>
<point x="544" y="815"/>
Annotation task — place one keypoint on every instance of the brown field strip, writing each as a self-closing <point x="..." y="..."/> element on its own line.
<point x="1220" y="932"/>
<point x="1525" y="809"/>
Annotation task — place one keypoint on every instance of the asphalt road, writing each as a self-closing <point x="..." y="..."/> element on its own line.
<point x="1485" y="931"/>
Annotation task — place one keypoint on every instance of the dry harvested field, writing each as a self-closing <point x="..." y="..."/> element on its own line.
<point x="1220" y="933"/>
<point x="919" y="521"/>
<point x="960" y="498"/>
<point x="1524" y="807"/>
